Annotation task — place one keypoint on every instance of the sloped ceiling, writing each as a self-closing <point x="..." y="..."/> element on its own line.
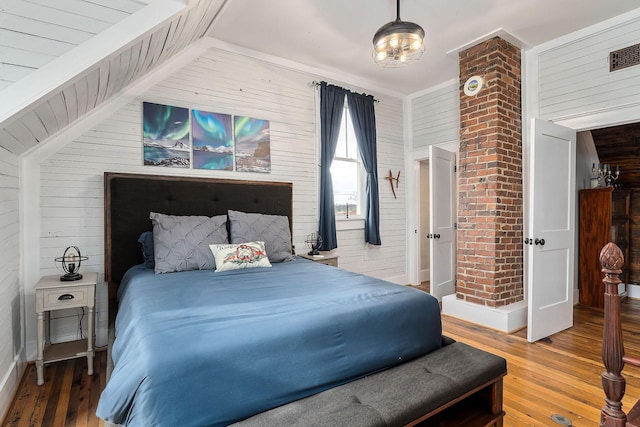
<point x="35" y="32"/>
<point x="64" y="89"/>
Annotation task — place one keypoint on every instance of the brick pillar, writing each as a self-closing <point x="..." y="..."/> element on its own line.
<point x="490" y="216"/>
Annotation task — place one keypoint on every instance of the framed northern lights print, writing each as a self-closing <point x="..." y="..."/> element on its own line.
<point x="212" y="140"/>
<point x="166" y="140"/>
<point x="253" y="144"/>
<point x="186" y="138"/>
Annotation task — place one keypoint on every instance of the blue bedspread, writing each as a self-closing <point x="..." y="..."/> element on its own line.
<point x="201" y="348"/>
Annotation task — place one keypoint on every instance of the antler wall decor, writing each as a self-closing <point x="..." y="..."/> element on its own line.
<point x="391" y="178"/>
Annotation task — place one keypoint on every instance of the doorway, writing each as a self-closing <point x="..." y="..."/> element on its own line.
<point x="435" y="209"/>
<point x="617" y="146"/>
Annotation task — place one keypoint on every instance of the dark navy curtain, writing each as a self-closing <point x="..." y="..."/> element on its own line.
<point x="363" y="116"/>
<point x="331" y="108"/>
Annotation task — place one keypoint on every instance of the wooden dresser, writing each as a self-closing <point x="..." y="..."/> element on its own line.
<point x="604" y="218"/>
<point x="634" y="238"/>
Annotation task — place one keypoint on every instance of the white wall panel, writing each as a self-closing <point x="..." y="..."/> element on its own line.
<point x="10" y="318"/>
<point x="71" y="201"/>
<point x="574" y="77"/>
<point x="389" y="260"/>
<point x="435" y="116"/>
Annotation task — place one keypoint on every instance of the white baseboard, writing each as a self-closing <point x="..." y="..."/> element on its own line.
<point x="509" y="318"/>
<point x="10" y="382"/>
<point x="633" y="291"/>
<point x="400" y="280"/>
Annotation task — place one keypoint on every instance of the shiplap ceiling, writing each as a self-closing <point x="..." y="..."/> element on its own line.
<point x="101" y="47"/>
<point x="61" y="59"/>
<point x="35" y="32"/>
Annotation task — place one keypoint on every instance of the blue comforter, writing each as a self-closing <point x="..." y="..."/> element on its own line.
<point x="200" y="348"/>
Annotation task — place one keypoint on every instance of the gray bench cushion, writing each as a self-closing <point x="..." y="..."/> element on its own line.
<point x="393" y="397"/>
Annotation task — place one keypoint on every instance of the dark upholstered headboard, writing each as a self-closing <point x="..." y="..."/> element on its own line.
<point x="130" y="197"/>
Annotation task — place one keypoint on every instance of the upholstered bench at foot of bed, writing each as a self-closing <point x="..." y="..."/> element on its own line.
<point x="457" y="385"/>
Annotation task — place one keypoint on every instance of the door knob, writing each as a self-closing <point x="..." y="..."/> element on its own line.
<point x="540" y="242"/>
<point x="526" y="241"/>
<point x="437" y="236"/>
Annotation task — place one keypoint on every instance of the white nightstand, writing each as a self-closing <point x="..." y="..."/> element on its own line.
<point x="324" y="258"/>
<point x="53" y="294"/>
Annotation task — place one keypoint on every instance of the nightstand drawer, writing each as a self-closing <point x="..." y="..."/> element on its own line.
<point x="326" y="258"/>
<point x="65" y="297"/>
<point x="328" y="261"/>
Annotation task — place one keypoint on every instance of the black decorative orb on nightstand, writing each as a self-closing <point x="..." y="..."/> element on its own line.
<point x="314" y="241"/>
<point x="70" y="262"/>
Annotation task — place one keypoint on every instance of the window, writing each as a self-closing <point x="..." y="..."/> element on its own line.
<point x="346" y="171"/>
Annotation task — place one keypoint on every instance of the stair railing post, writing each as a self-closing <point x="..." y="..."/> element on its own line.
<point x="613" y="383"/>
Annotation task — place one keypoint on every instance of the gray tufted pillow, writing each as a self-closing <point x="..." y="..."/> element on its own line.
<point x="273" y="230"/>
<point x="181" y="243"/>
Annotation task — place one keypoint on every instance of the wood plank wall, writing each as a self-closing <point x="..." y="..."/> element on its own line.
<point x="36" y="32"/>
<point x="633" y="262"/>
<point x="436" y="116"/>
<point x="10" y="322"/>
<point x="574" y="77"/>
<point x="71" y="202"/>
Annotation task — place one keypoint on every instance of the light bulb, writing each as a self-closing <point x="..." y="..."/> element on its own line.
<point x="71" y="263"/>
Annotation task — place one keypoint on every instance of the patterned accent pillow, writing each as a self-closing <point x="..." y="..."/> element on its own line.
<point x="273" y="230"/>
<point x="181" y="243"/>
<point x="239" y="256"/>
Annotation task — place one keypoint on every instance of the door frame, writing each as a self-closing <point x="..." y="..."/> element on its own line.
<point x="579" y="122"/>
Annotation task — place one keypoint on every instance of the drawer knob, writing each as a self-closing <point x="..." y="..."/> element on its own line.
<point x="65" y="297"/>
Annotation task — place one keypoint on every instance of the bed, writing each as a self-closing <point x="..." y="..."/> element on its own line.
<point x="206" y="347"/>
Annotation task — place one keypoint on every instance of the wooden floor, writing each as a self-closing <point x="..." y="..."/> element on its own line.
<point x="561" y="377"/>
<point x="558" y="377"/>
<point x="68" y="397"/>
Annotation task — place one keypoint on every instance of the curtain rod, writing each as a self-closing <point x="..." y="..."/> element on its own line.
<point x="316" y="83"/>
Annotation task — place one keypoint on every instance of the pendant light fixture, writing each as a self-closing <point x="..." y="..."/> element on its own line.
<point x="398" y="43"/>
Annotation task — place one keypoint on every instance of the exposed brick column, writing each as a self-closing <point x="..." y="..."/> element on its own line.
<point x="490" y="216"/>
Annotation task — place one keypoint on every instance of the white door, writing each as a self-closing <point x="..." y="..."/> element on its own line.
<point x="442" y="233"/>
<point x="549" y="244"/>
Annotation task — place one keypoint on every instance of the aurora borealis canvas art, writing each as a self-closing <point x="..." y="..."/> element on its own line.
<point x="166" y="135"/>
<point x="185" y="138"/>
<point x="253" y="144"/>
<point x="212" y="140"/>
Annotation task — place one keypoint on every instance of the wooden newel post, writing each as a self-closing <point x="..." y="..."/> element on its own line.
<point x="611" y="260"/>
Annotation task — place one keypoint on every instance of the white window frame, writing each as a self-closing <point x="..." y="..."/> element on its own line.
<point x="346" y="121"/>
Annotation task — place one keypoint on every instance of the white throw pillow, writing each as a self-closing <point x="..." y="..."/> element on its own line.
<point x="236" y="256"/>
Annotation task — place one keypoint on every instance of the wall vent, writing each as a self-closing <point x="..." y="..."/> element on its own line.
<point x="624" y="58"/>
